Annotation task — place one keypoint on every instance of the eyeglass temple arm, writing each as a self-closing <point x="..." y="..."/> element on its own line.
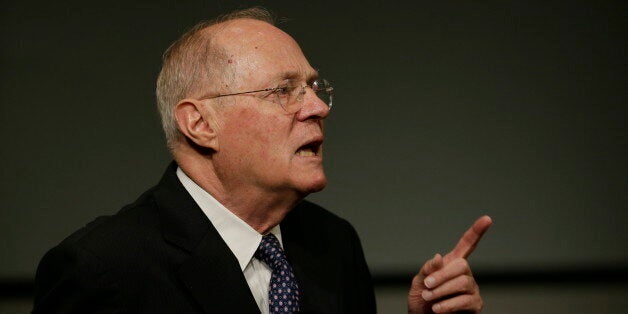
<point x="239" y="93"/>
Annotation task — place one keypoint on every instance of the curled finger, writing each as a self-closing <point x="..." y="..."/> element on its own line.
<point x="457" y="286"/>
<point x="465" y="302"/>
<point x="455" y="268"/>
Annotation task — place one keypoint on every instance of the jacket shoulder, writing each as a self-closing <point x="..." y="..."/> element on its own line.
<point x="114" y="231"/>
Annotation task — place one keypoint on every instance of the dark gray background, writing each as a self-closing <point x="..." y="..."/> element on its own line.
<point x="444" y="111"/>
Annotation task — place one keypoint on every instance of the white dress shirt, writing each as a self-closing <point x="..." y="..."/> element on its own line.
<point x="240" y="238"/>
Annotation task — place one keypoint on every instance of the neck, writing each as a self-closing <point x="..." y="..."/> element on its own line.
<point x="260" y="209"/>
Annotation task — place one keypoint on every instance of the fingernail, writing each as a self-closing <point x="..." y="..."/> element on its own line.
<point x="436" y="308"/>
<point x="427" y="295"/>
<point x="429" y="282"/>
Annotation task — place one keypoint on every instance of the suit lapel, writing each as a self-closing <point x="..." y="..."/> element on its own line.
<point x="210" y="273"/>
<point x="310" y="263"/>
<point x="213" y="276"/>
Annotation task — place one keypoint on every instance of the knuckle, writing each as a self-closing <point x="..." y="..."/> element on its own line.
<point x="458" y="264"/>
<point x="462" y="263"/>
<point x="428" y="263"/>
<point x="468" y="282"/>
<point x="476" y="304"/>
<point x="461" y="286"/>
<point x="416" y="279"/>
<point x="425" y="268"/>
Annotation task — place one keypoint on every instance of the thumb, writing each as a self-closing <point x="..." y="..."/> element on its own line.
<point x="416" y="303"/>
<point x="418" y="282"/>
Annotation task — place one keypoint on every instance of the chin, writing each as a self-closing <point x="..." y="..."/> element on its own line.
<point x="319" y="186"/>
<point x="312" y="184"/>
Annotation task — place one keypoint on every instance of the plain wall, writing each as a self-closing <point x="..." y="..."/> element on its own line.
<point x="444" y="111"/>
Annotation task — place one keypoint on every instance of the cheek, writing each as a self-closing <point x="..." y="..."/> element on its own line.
<point x="254" y="135"/>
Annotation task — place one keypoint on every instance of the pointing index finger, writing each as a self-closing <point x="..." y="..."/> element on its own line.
<point x="471" y="238"/>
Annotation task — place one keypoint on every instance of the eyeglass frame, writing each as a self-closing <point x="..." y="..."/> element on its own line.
<point x="329" y="90"/>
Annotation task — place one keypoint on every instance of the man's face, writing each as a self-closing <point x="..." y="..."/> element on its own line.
<point x="260" y="145"/>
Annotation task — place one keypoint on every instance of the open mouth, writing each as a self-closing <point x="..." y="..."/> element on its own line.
<point x="310" y="149"/>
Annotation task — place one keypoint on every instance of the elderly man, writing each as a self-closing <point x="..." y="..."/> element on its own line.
<point x="226" y="230"/>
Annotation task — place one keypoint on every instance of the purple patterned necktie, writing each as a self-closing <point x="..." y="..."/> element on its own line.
<point x="283" y="292"/>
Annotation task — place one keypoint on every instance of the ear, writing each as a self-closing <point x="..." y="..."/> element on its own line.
<point x="197" y="125"/>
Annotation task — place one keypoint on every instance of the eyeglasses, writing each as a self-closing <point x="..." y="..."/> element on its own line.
<point x="289" y="95"/>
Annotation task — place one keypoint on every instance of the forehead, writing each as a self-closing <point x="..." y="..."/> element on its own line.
<point x="259" y="52"/>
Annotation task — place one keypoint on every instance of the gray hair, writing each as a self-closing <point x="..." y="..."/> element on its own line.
<point x="192" y="60"/>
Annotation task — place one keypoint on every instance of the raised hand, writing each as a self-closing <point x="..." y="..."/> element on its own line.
<point x="445" y="284"/>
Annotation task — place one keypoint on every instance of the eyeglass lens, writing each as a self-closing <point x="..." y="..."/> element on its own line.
<point x="321" y="87"/>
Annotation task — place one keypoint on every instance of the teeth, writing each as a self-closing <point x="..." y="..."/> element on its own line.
<point x="305" y="152"/>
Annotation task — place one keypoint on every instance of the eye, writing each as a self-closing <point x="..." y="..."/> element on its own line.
<point x="285" y="90"/>
<point x="282" y="90"/>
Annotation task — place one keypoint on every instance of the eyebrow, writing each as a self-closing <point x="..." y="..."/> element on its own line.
<point x="291" y="75"/>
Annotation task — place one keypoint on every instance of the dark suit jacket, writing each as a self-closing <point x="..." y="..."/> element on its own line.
<point x="162" y="255"/>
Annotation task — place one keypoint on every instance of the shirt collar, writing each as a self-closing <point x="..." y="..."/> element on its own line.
<point x="241" y="238"/>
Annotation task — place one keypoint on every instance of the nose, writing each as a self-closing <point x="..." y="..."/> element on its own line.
<point x="312" y="107"/>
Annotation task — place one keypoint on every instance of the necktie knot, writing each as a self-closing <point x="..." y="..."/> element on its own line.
<point x="270" y="252"/>
<point x="283" y="293"/>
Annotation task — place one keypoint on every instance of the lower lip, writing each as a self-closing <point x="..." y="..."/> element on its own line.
<point x="309" y="157"/>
